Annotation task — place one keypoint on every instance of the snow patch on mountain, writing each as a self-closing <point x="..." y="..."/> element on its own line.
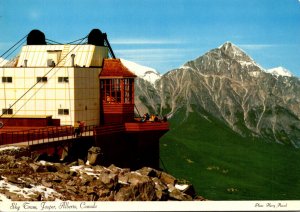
<point x="234" y="51"/>
<point x="144" y="72"/>
<point x="185" y="67"/>
<point x="280" y="71"/>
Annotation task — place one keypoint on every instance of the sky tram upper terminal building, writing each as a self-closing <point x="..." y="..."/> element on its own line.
<point x="54" y="80"/>
<point x="57" y="85"/>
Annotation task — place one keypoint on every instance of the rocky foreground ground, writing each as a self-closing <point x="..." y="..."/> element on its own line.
<point x="24" y="178"/>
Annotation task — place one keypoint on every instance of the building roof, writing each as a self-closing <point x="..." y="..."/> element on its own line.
<point x="115" y="68"/>
<point x="85" y="55"/>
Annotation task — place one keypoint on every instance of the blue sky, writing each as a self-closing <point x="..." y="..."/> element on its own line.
<point x="164" y="34"/>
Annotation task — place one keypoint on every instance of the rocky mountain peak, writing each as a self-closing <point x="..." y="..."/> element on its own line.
<point x="234" y="52"/>
<point x="228" y="60"/>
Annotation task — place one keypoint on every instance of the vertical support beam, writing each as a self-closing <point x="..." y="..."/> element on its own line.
<point x="110" y="87"/>
<point x="122" y="91"/>
<point x="132" y="93"/>
<point x="104" y="85"/>
<point x="100" y="94"/>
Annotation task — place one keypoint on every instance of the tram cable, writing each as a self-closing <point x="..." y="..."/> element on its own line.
<point x="14" y="50"/>
<point x="36" y="84"/>
<point x="80" y="42"/>
<point x="76" y="40"/>
<point x="3" y="58"/>
<point x="53" y="42"/>
<point x="20" y="41"/>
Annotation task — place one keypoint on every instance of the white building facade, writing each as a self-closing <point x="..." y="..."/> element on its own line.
<point x="54" y="80"/>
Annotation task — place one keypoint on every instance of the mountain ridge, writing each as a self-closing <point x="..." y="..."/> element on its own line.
<point x="226" y="118"/>
<point x="280" y="71"/>
<point x="231" y="86"/>
<point x="149" y="74"/>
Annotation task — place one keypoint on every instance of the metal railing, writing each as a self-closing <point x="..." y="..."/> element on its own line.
<point x="43" y="135"/>
<point x="60" y="133"/>
<point x="86" y="131"/>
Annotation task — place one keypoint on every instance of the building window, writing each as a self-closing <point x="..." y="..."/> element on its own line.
<point x="41" y="79"/>
<point x="128" y="90"/>
<point x="63" y="79"/>
<point x="63" y="111"/>
<point x="117" y="90"/>
<point x="7" y="79"/>
<point x="7" y="111"/>
<point x="111" y="90"/>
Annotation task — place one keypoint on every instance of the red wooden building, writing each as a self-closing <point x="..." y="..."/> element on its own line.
<point x="132" y="143"/>
<point x="116" y="92"/>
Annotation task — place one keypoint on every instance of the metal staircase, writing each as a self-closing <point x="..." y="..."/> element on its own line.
<point x="64" y="56"/>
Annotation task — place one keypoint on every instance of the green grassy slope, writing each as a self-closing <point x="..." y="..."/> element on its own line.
<point x="225" y="166"/>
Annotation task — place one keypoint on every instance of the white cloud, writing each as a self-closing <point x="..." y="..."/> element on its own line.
<point x="149" y="50"/>
<point x="144" y="41"/>
<point x="161" y="59"/>
<point x="256" y="46"/>
<point x="157" y="54"/>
